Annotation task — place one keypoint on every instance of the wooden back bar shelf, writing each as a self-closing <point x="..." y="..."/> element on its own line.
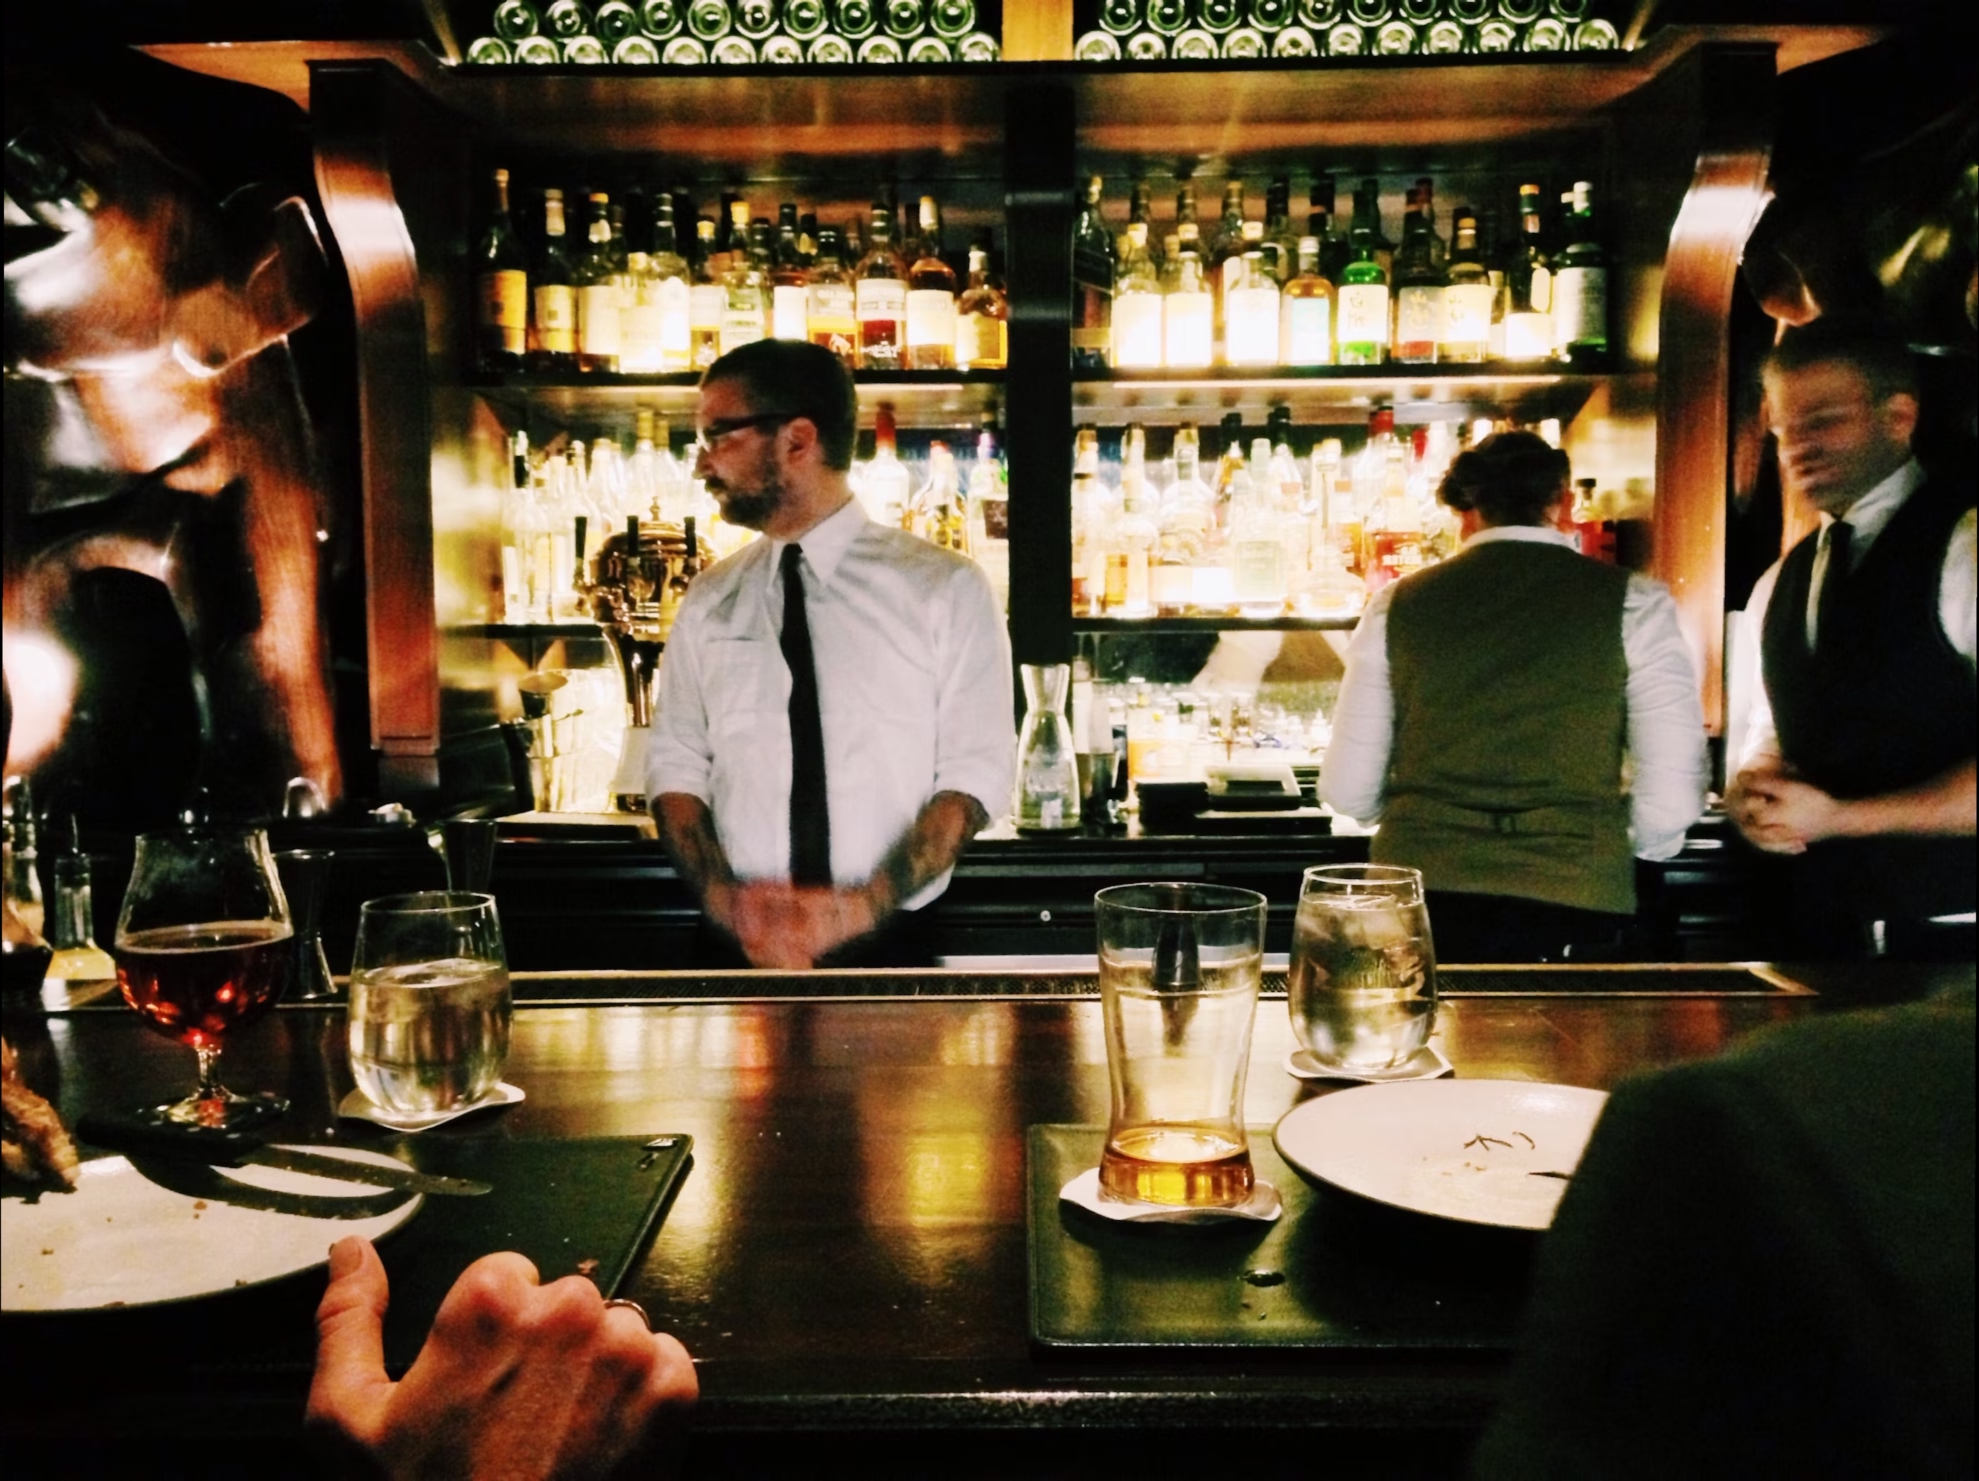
<point x="1677" y="133"/>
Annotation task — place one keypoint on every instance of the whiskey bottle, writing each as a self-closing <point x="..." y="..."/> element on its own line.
<point x="1580" y="290"/>
<point x="1137" y="329"/>
<point x="746" y="313"/>
<point x="1250" y="311"/>
<point x="951" y="20"/>
<point x="805" y="20"/>
<point x="1419" y="285"/>
<point x="884" y="485"/>
<point x="1305" y="312"/>
<point x="553" y="299"/>
<point x="790" y="297"/>
<point x="1323" y="221"/>
<point x="657" y="332"/>
<point x="1088" y="521"/>
<point x="515" y="19"/>
<point x="1362" y="337"/>
<point x="1466" y="337"/>
<point x="707" y="300"/>
<point x="1130" y="544"/>
<point x="930" y="299"/>
<point x="501" y="282"/>
<point x="564" y="19"/>
<point x="856" y="19"/>
<point x="880" y="297"/>
<point x="662" y="19"/>
<point x="830" y="316"/>
<point x="982" y="318"/>
<point x="1092" y="285"/>
<point x="1280" y="245"/>
<point x="600" y="293"/>
<point x="1188" y="308"/>
<point x="1529" y="277"/>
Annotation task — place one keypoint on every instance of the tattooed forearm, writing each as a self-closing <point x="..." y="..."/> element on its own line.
<point x="946" y="823"/>
<point x="687" y="829"/>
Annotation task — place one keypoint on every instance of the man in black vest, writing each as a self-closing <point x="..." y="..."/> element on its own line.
<point x="1860" y="758"/>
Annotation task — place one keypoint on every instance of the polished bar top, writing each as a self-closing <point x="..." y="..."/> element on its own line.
<point x="848" y="1251"/>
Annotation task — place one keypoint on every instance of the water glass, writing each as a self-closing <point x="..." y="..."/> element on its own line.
<point x="1362" y="988"/>
<point x="1179" y="966"/>
<point x="430" y="1009"/>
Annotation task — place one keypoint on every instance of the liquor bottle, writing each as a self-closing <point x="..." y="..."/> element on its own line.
<point x="885" y="486"/>
<point x="1280" y="244"/>
<point x="1137" y="307"/>
<point x="755" y="19"/>
<point x="855" y="20"/>
<point x="1271" y="16"/>
<point x="1246" y="44"/>
<point x="926" y="50"/>
<point x="657" y="336"/>
<point x="501" y="282"/>
<point x="989" y="516"/>
<point x="1257" y="543"/>
<point x="930" y="298"/>
<point x="805" y="20"/>
<point x="1195" y="45"/>
<point x="1362" y="337"/>
<point x="515" y="19"/>
<point x="903" y="19"/>
<point x="1497" y="263"/>
<point x="1529" y="277"/>
<point x="662" y="19"/>
<point x="1088" y="554"/>
<point x="746" y="312"/>
<point x="880" y="297"/>
<point x="789" y="283"/>
<point x="1187" y="536"/>
<point x="982" y="318"/>
<point x="1305" y="322"/>
<point x="1466" y="336"/>
<point x="1419" y="285"/>
<point x="1250" y="309"/>
<point x="952" y="19"/>
<point x="1226" y="250"/>
<point x="1092" y="285"/>
<point x="1188" y="309"/>
<point x="553" y="298"/>
<point x="1168" y="17"/>
<point x="1095" y="46"/>
<point x="1296" y="42"/>
<point x="1219" y="16"/>
<point x="707" y="299"/>
<point x="614" y="21"/>
<point x="1130" y="545"/>
<point x="1285" y="476"/>
<point x="600" y="293"/>
<point x="830" y="316"/>
<point x="709" y="20"/>
<point x="1439" y="250"/>
<point x="1323" y="221"/>
<point x="1120" y="17"/>
<point x="1580" y="290"/>
<point x="564" y="19"/>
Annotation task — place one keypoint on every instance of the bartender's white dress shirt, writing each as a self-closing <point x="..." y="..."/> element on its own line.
<point x="1868" y="517"/>
<point x="1665" y="733"/>
<point x="914" y="688"/>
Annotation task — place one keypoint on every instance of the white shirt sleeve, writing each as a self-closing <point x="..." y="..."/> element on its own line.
<point x="1354" y="779"/>
<point x="975" y="747"/>
<point x="1761" y="743"/>
<point x="1665" y="733"/>
<point x="1958" y="586"/>
<point x="679" y="755"/>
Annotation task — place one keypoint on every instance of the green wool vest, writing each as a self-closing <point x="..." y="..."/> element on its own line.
<point x="1510" y="712"/>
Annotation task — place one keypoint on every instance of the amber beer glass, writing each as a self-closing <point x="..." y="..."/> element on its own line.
<point x="1178" y="972"/>
<point x="202" y="950"/>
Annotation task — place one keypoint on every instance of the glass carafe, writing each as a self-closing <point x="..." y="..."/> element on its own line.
<point x="1047" y="766"/>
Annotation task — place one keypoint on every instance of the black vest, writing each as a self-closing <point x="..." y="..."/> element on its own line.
<point x="1884" y="702"/>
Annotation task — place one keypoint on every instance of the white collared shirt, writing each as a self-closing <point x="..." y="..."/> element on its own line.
<point x="914" y="691"/>
<point x="1868" y="517"/>
<point x="1664" y="737"/>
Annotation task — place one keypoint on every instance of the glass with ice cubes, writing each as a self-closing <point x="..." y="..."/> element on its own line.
<point x="1362" y="988"/>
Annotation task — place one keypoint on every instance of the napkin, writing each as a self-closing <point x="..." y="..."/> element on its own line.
<point x="358" y="1107"/>
<point x="1263" y="1206"/>
<point x="1427" y="1063"/>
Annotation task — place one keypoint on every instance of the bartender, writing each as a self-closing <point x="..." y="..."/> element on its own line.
<point x="1523" y="721"/>
<point x="834" y="719"/>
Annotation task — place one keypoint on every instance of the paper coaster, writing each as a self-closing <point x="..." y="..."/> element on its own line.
<point x="1264" y="1205"/>
<point x="1427" y="1063"/>
<point x="357" y="1107"/>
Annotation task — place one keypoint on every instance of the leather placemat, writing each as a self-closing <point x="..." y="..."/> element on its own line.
<point x="1335" y="1273"/>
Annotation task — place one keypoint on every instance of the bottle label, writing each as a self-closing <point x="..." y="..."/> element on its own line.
<point x="1137" y="331"/>
<point x="599" y="310"/>
<point x="1250" y="326"/>
<point x="1418" y="322"/>
<point x="706" y="303"/>
<point x="930" y="318"/>
<point x="1467" y="315"/>
<point x="556" y="318"/>
<point x="1364" y="314"/>
<point x="505" y="306"/>
<point x="1308" y="336"/>
<point x="1542" y="291"/>
<point x="882" y="298"/>
<point x="789" y="311"/>
<point x="643" y="325"/>
<point x="1189" y="331"/>
<point x="981" y="342"/>
<point x="675" y="311"/>
<point x="741" y="325"/>
<point x="830" y="307"/>
<point x="1580" y="306"/>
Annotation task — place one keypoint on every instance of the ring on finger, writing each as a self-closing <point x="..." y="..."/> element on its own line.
<point x="632" y="1306"/>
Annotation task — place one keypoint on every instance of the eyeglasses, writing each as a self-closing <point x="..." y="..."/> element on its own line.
<point x="728" y="426"/>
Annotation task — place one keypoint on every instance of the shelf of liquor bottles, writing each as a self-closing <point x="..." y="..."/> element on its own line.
<point x="1333" y="395"/>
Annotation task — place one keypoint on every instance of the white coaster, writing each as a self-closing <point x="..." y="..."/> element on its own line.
<point x="1264" y="1205"/>
<point x="1427" y="1063"/>
<point x="357" y="1107"/>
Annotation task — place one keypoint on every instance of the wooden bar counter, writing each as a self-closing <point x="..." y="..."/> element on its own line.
<point x="847" y="1256"/>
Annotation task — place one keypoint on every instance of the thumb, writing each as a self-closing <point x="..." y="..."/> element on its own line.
<point x="350" y="1386"/>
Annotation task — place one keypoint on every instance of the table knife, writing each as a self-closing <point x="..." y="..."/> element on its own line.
<point x="146" y="1136"/>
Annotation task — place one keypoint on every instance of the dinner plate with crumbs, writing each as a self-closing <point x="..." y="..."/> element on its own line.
<point x="1496" y="1152"/>
<point x="180" y="1229"/>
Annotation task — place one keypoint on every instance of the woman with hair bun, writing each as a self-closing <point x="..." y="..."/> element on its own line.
<point x="1523" y="722"/>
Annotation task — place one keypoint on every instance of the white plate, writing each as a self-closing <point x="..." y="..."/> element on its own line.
<point x="357" y="1106"/>
<point x="121" y="1239"/>
<point x="1470" y="1150"/>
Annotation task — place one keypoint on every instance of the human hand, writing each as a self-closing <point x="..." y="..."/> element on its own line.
<point x="516" y="1380"/>
<point x="1780" y="813"/>
<point x="789" y="927"/>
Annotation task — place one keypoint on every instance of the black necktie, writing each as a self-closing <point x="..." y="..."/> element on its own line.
<point x="1828" y="605"/>
<point x="810" y="821"/>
